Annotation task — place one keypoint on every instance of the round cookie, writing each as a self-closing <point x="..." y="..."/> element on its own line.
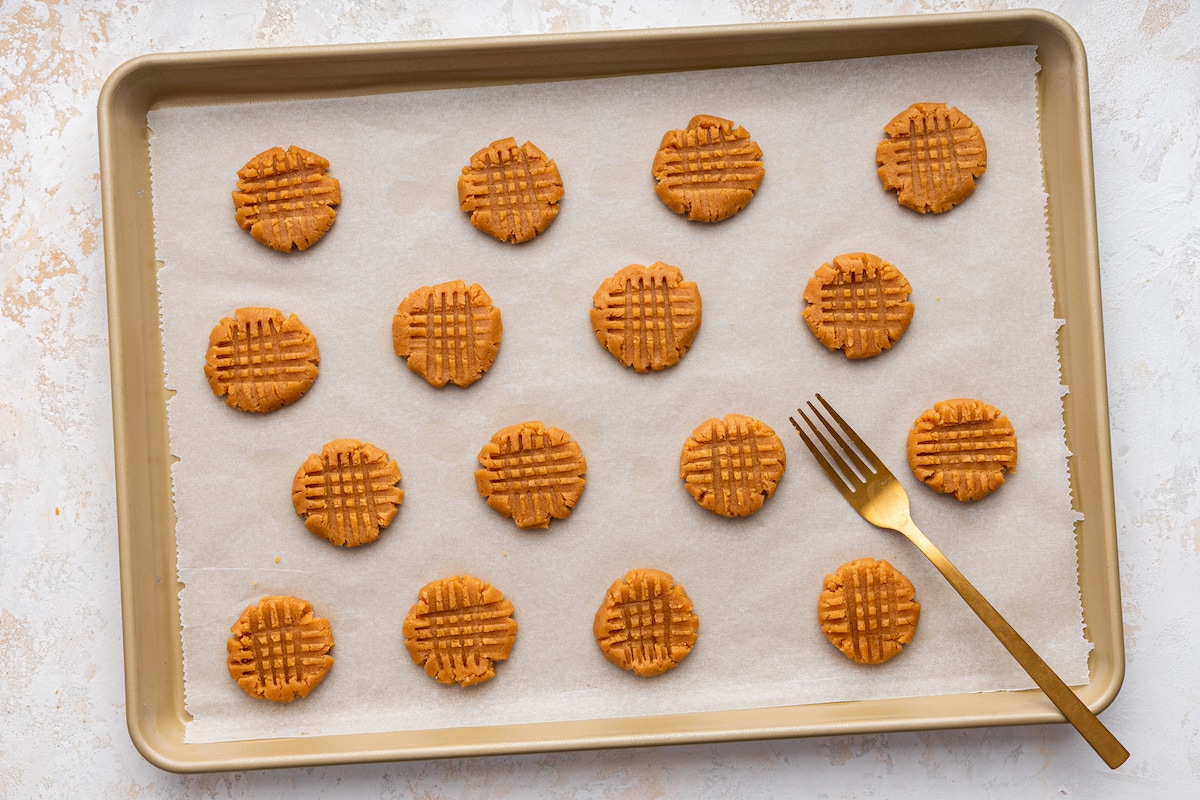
<point x="285" y="198"/>
<point x="260" y="361"/>
<point x="278" y="650"/>
<point x="646" y="624"/>
<point x="709" y="170"/>
<point x="449" y="333"/>
<point x="962" y="447"/>
<point x="731" y="466"/>
<point x="458" y="629"/>
<point x="858" y="304"/>
<point x="647" y="316"/>
<point x="531" y="473"/>
<point x="867" y="610"/>
<point x="511" y="192"/>
<point x="348" y="492"/>
<point x="931" y="158"/>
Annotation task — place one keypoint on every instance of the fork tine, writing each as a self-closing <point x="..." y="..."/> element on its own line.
<point x="846" y="448"/>
<point x="876" y="464"/>
<point x="846" y="472"/>
<point x="830" y="470"/>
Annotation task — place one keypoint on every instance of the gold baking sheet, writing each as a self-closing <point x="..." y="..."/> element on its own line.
<point x="146" y="524"/>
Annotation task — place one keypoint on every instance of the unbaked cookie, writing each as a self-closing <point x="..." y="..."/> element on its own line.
<point x="931" y="158"/>
<point x="260" y="361"/>
<point x="647" y="316"/>
<point x="858" y="304"/>
<point x="867" y="610"/>
<point x="348" y="492"/>
<point x="458" y="629"/>
<point x="278" y="650"/>
<point x="510" y="191"/>
<point x="731" y="466"/>
<point x="646" y="624"/>
<point x="531" y="473"/>
<point x="709" y="170"/>
<point x="449" y="333"/>
<point x="286" y="199"/>
<point x="962" y="447"/>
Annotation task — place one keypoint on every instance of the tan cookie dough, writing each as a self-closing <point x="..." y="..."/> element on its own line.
<point x="348" y="492"/>
<point x="510" y="191"/>
<point x="278" y="650"/>
<point x="531" y="473"/>
<point x="448" y="333"/>
<point x="260" y="361"/>
<point x="646" y="624"/>
<point x="647" y="316"/>
<point x="286" y="199"/>
<point x="858" y="304"/>
<point x="731" y="466"/>
<point x="867" y="610"/>
<point x="962" y="447"/>
<point x="931" y="158"/>
<point x="458" y="629"/>
<point x="709" y="170"/>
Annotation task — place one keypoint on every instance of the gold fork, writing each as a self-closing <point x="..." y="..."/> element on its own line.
<point x="874" y="492"/>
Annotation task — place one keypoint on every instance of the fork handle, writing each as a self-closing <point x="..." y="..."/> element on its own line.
<point x="1078" y="714"/>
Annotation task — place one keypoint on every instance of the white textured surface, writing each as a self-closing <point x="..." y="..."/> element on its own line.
<point x="61" y="695"/>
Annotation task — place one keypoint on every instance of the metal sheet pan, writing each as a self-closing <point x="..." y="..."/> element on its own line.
<point x="149" y="589"/>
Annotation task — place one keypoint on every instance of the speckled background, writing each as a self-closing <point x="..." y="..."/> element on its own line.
<point x="61" y="683"/>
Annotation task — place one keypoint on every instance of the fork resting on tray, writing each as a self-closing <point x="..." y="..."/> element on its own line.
<point x="870" y="487"/>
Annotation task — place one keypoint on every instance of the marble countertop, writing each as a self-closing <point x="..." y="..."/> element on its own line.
<point x="62" y="696"/>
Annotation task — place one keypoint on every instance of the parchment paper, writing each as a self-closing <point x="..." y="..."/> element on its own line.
<point x="984" y="327"/>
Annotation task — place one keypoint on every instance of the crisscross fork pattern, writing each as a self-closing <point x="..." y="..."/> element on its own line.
<point x="707" y="158"/>
<point x="285" y="198"/>
<point x="709" y="170"/>
<point x="511" y="191"/>
<point x="646" y="623"/>
<point x="932" y="157"/>
<point x="532" y="473"/>
<point x="867" y="610"/>
<point x="450" y="333"/>
<point x="459" y="628"/>
<point x="348" y="492"/>
<point x="257" y="356"/>
<point x="279" y="650"/>
<point x="259" y="360"/>
<point x="647" y="316"/>
<point x="731" y="465"/>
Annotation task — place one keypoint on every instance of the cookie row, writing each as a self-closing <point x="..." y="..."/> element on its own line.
<point x="647" y="317"/>
<point x="532" y="474"/>
<point x="259" y="360"/>
<point x="461" y="627"/>
<point x="708" y="171"/>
